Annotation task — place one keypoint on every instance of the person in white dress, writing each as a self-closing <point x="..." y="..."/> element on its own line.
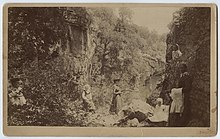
<point x="160" y="113"/>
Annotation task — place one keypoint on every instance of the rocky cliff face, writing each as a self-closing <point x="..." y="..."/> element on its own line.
<point x="79" y="49"/>
<point x="193" y="37"/>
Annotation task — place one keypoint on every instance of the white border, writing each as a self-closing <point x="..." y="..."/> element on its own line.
<point x="2" y="2"/>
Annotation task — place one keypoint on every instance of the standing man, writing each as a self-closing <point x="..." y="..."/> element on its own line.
<point x="185" y="82"/>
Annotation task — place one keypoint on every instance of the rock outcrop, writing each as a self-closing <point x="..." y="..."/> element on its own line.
<point x="193" y="37"/>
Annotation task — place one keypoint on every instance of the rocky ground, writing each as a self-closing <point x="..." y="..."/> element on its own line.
<point x="134" y="113"/>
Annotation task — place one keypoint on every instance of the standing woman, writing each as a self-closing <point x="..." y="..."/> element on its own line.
<point x="181" y="115"/>
<point x="116" y="99"/>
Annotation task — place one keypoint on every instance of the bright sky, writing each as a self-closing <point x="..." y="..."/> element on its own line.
<point x="154" y="18"/>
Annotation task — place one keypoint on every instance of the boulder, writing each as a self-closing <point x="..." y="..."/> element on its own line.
<point x="137" y="109"/>
<point x="133" y="123"/>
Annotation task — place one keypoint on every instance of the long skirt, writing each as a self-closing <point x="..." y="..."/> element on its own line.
<point x="186" y="116"/>
<point x="116" y="104"/>
<point x="174" y="120"/>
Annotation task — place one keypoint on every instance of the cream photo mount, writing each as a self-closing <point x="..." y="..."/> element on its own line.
<point x="114" y="131"/>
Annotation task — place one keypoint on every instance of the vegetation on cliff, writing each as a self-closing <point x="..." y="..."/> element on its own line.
<point x="38" y="57"/>
<point x="190" y="29"/>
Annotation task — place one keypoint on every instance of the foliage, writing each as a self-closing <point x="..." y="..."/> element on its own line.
<point x="190" y="29"/>
<point x="33" y="37"/>
<point x="120" y="44"/>
<point x="48" y="93"/>
<point x="125" y="14"/>
<point x="37" y="40"/>
<point x="32" y="32"/>
<point x="187" y="24"/>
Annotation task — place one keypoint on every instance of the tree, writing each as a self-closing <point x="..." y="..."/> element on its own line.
<point x="187" y="24"/>
<point x="32" y="32"/>
<point x="107" y="40"/>
<point x="33" y="35"/>
<point x="125" y="14"/>
<point x="120" y="44"/>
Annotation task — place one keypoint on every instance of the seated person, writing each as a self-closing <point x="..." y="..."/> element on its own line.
<point x="16" y="96"/>
<point x="161" y="112"/>
<point x="176" y="52"/>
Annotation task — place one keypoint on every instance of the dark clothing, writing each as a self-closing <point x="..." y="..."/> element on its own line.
<point x="174" y="120"/>
<point x="177" y="119"/>
<point x="139" y="115"/>
<point x="116" y="100"/>
<point x="116" y="103"/>
<point x="185" y="82"/>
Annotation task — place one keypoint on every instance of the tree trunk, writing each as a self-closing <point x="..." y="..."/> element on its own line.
<point x="103" y="59"/>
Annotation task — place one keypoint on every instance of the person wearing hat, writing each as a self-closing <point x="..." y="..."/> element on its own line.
<point x="185" y="82"/>
<point x="181" y="108"/>
<point x="116" y="99"/>
<point x="161" y="112"/>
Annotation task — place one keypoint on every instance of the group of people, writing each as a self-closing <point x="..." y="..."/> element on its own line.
<point x="177" y="113"/>
<point x="116" y="99"/>
<point x="180" y="106"/>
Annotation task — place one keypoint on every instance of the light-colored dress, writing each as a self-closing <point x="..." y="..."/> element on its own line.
<point x="116" y="100"/>
<point x="160" y="114"/>
<point x="177" y="103"/>
<point x="16" y="97"/>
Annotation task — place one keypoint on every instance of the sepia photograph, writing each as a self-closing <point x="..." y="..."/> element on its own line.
<point x="113" y="66"/>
